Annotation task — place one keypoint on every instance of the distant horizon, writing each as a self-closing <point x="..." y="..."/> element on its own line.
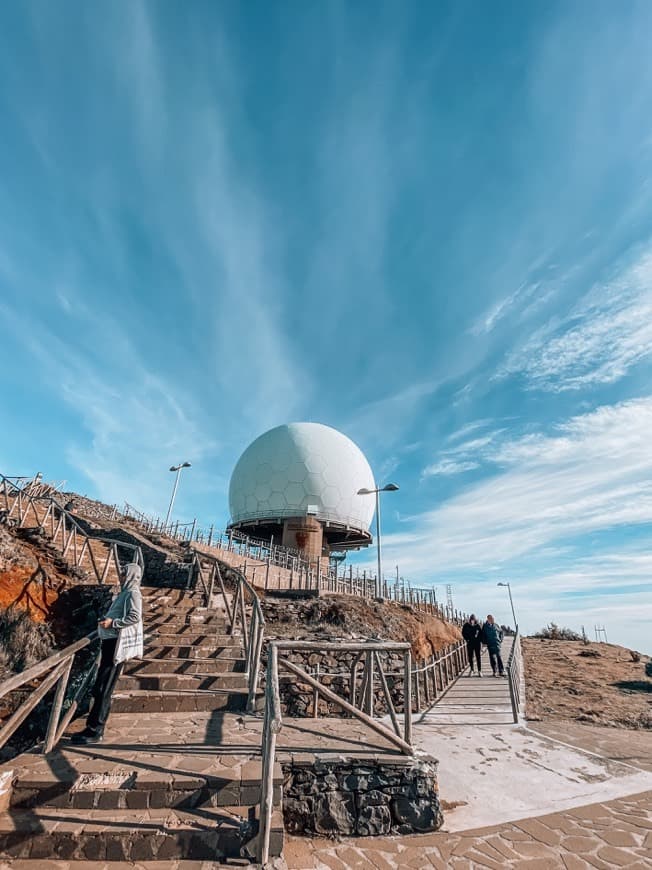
<point x="426" y="225"/>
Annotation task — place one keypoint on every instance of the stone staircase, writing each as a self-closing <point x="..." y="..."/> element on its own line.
<point x="178" y="774"/>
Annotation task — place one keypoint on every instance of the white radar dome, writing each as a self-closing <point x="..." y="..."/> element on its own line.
<point x="300" y="469"/>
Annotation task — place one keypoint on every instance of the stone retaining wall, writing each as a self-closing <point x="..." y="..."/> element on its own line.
<point x="161" y="567"/>
<point x="334" y="672"/>
<point x="363" y="799"/>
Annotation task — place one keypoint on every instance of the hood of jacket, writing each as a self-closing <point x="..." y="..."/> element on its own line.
<point x="133" y="577"/>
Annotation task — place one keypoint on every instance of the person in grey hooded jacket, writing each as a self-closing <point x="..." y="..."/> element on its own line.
<point x="125" y="612"/>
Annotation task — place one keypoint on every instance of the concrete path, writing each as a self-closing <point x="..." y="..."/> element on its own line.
<point x="494" y="774"/>
<point x="472" y="700"/>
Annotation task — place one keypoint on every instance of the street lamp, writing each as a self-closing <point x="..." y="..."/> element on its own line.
<point x="176" y="468"/>
<point x="509" y="589"/>
<point x="389" y="487"/>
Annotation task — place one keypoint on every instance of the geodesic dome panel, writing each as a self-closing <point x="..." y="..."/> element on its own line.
<point x="302" y="468"/>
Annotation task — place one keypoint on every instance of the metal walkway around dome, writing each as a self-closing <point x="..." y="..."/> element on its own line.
<point x="472" y="700"/>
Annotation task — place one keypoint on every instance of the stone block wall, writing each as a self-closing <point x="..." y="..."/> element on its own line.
<point x="334" y="673"/>
<point x="161" y="567"/>
<point x="350" y="798"/>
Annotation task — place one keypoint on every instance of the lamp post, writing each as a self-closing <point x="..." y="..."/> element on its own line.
<point x="509" y="589"/>
<point x="389" y="487"/>
<point x="176" y="468"/>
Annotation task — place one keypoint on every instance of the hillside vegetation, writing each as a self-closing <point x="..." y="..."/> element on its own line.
<point x="598" y="683"/>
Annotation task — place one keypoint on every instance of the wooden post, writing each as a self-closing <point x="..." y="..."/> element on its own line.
<point x="388" y="697"/>
<point x="370" y="684"/>
<point x="407" y="698"/>
<point x="315" y="695"/>
<point x="426" y="687"/>
<point x="55" y="713"/>
<point x="376" y="726"/>
<point x="270" y="729"/>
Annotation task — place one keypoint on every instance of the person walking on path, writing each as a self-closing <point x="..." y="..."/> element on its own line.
<point x="471" y="632"/>
<point x="121" y="633"/>
<point x="492" y="637"/>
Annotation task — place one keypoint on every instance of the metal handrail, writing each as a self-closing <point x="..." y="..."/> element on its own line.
<point x="56" y="669"/>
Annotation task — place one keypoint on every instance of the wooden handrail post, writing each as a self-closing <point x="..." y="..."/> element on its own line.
<point x="55" y="713"/>
<point x="370" y="684"/>
<point x="407" y="698"/>
<point x="315" y="695"/>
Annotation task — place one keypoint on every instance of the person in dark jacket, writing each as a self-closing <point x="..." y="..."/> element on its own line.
<point x="492" y="637"/>
<point x="471" y="632"/>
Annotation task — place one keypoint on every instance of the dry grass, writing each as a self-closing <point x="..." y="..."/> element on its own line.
<point x="346" y="616"/>
<point x="23" y="642"/>
<point x="600" y="684"/>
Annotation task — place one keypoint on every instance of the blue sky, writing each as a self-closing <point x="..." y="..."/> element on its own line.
<point x="426" y="224"/>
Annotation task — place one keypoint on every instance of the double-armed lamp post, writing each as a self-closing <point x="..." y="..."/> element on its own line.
<point x="176" y="468"/>
<point x="389" y="487"/>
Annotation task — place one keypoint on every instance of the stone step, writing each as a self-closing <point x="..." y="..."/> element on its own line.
<point x="176" y="606"/>
<point x="188" y="682"/>
<point x="187" y="630"/>
<point x="174" y="619"/>
<point x="171" y="594"/>
<point x="210" y="641"/>
<point x="185" y="666"/>
<point x="110" y="835"/>
<point x="188" y="651"/>
<point x="195" y="654"/>
<point x="179" y="701"/>
<point x="121" y="788"/>
<point x="40" y="864"/>
<point x="198" y="603"/>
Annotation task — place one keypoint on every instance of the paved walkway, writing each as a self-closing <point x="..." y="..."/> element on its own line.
<point x="472" y="700"/>
<point x="603" y="836"/>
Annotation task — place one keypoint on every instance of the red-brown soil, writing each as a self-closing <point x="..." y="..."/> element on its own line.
<point x="16" y="590"/>
<point x="598" y="683"/>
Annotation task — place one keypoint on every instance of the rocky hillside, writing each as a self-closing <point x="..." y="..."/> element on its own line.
<point x="597" y="683"/>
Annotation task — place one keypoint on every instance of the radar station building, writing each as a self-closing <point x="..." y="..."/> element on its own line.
<point x="297" y="485"/>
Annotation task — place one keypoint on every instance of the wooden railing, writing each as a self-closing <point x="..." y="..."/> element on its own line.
<point x="55" y="671"/>
<point x="243" y="611"/>
<point x="515" y="676"/>
<point x="293" y="570"/>
<point x="32" y="502"/>
<point x="367" y="652"/>
<point x="438" y="672"/>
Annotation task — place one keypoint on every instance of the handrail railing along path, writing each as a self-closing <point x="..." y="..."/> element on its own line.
<point x="515" y="676"/>
<point x="303" y="574"/>
<point x="33" y="502"/>
<point x="369" y="651"/>
<point x="55" y="670"/>
<point x="243" y="611"/>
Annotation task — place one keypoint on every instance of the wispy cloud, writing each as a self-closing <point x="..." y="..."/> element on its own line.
<point x="606" y="334"/>
<point x="447" y="467"/>
<point x="465" y="456"/>
<point x="592" y="473"/>
<point x="136" y="422"/>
